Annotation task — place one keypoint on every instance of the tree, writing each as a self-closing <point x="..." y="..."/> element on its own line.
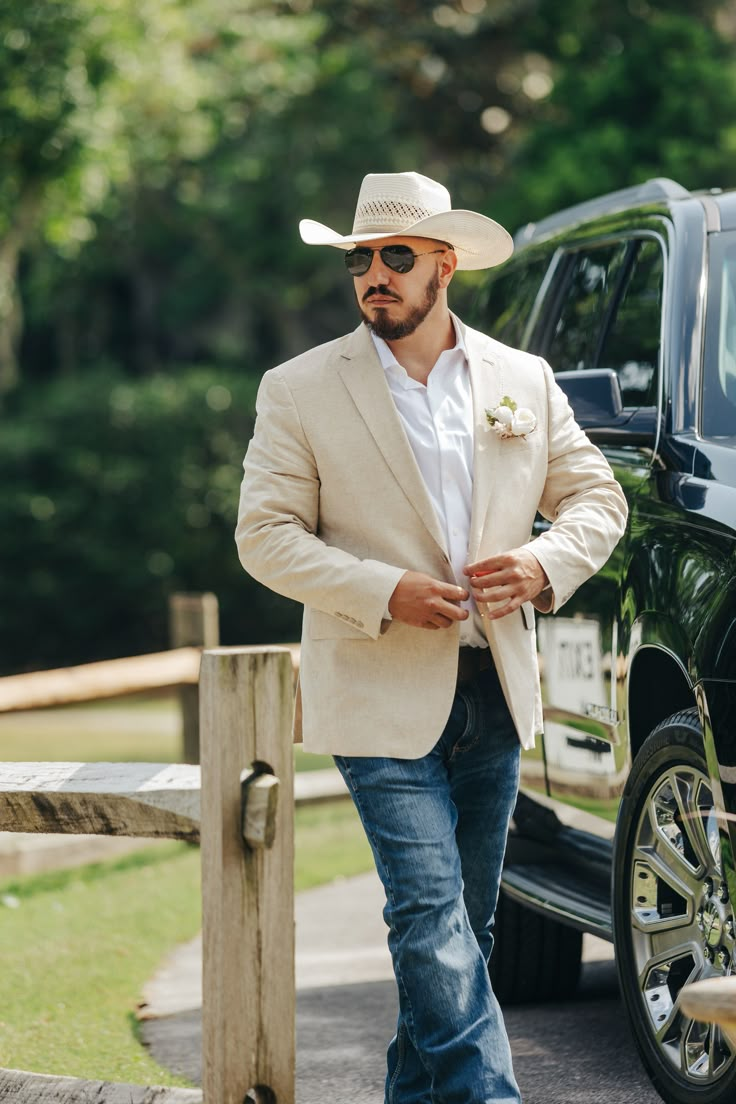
<point x="48" y="70"/>
<point x="639" y="91"/>
<point x="220" y="122"/>
<point x="95" y="96"/>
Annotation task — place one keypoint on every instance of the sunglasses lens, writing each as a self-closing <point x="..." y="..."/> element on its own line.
<point x="358" y="261"/>
<point x="399" y="258"/>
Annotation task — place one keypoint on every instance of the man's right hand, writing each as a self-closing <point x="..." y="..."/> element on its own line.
<point x="427" y="603"/>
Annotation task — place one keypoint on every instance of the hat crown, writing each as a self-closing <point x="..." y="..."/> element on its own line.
<point x="395" y="201"/>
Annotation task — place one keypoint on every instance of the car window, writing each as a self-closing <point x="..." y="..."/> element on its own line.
<point x="507" y="300"/>
<point x="631" y="343"/>
<point x="573" y="330"/>
<point x="719" y="375"/>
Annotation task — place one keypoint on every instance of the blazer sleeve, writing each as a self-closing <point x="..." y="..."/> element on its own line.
<point x="278" y="522"/>
<point x="581" y="498"/>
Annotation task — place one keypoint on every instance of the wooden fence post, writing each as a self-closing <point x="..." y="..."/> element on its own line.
<point x="194" y="621"/>
<point x="248" y="1007"/>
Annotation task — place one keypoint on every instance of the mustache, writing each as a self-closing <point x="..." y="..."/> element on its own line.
<point x="382" y="290"/>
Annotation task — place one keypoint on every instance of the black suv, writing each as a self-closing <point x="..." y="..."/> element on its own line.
<point x="623" y="827"/>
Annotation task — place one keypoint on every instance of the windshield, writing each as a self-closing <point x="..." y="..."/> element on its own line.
<point x="719" y="376"/>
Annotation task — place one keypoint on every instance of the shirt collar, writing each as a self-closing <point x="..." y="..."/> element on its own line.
<point x="390" y="363"/>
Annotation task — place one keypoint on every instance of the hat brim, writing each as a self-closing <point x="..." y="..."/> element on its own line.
<point x="478" y="241"/>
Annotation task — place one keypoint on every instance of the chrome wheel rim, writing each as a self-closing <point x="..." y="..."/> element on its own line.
<point x="682" y="924"/>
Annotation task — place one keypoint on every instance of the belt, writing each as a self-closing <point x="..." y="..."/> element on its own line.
<point x="470" y="663"/>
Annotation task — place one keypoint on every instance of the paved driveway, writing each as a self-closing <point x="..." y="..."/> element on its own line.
<point x="574" y="1053"/>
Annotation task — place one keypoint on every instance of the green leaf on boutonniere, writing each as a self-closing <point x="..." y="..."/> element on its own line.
<point x="509" y="402"/>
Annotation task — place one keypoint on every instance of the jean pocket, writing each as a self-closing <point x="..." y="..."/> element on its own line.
<point x="471" y="732"/>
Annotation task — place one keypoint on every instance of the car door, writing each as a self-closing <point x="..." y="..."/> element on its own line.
<point x="602" y="310"/>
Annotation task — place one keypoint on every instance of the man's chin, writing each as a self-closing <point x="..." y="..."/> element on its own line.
<point x="383" y="325"/>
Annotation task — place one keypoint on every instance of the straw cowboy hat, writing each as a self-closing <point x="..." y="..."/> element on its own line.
<point x="410" y="204"/>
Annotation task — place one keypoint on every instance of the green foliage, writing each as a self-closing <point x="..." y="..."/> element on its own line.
<point x="95" y="94"/>
<point x="158" y="155"/>
<point x="640" y="91"/>
<point x="48" y="73"/>
<point x="208" y="128"/>
<point x="114" y="494"/>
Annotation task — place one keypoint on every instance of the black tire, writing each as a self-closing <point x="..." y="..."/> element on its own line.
<point x="668" y="916"/>
<point x="534" y="958"/>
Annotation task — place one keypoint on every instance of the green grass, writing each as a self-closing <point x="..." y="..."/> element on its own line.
<point x="136" y="729"/>
<point x="78" y="947"/>
<point x="305" y="761"/>
<point x="329" y="844"/>
<point x="75" y="954"/>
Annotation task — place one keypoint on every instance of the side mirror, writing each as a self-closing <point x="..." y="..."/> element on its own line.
<point x="595" y="397"/>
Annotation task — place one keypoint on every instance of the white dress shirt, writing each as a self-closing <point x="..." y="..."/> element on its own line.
<point x="438" y="420"/>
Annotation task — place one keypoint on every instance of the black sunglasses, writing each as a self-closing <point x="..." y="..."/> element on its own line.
<point x="399" y="258"/>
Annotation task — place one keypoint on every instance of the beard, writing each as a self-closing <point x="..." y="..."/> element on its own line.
<point x="394" y="329"/>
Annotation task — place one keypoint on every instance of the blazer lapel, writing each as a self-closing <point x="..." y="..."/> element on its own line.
<point x="485" y="381"/>
<point x="363" y="375"/>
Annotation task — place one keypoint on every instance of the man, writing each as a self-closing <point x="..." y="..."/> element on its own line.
<point x="391" y="486"/>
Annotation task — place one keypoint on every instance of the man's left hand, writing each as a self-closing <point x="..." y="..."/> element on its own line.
<point x="501" y="583"/>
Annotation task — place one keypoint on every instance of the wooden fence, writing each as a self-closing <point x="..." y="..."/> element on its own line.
<point x="239" y="804"/>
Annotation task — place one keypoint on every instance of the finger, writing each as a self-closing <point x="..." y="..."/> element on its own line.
<point x="502" y="610"/>
<point x="453" y="593"/>
<point x="495" y="594"/>
<point x="453" y="613"/>
<point x="437" y="621"/>
<point x="506" y="578"/>
<point x="484" y="582"/>
<point x="491" y="582"/>
<point x="485" y="567"/>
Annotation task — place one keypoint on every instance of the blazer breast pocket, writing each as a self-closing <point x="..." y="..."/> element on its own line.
<point x="327" y="626"/>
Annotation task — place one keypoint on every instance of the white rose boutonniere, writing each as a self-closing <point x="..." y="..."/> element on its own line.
<point x="510" y="420"/>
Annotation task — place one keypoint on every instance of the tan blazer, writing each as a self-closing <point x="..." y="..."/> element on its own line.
<point x="333" y="510"/>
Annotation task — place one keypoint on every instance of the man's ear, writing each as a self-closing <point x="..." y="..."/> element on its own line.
<point x="448" y="264"/>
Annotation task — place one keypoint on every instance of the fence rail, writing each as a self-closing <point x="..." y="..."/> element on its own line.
<point x="193" y="626"/>
<point x="111" y="678"/>
<point x="105" y="799"/>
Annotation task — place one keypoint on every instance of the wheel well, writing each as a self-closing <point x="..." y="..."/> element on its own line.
<point x="658" y="687"/>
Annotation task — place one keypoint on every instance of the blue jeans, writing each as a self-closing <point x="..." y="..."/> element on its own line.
<point x="437" y="827"/>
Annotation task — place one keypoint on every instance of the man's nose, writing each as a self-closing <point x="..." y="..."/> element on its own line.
<point x="379" y="271"/>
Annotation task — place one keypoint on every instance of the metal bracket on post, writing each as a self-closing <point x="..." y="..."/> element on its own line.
<point x="259" y="790"/>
